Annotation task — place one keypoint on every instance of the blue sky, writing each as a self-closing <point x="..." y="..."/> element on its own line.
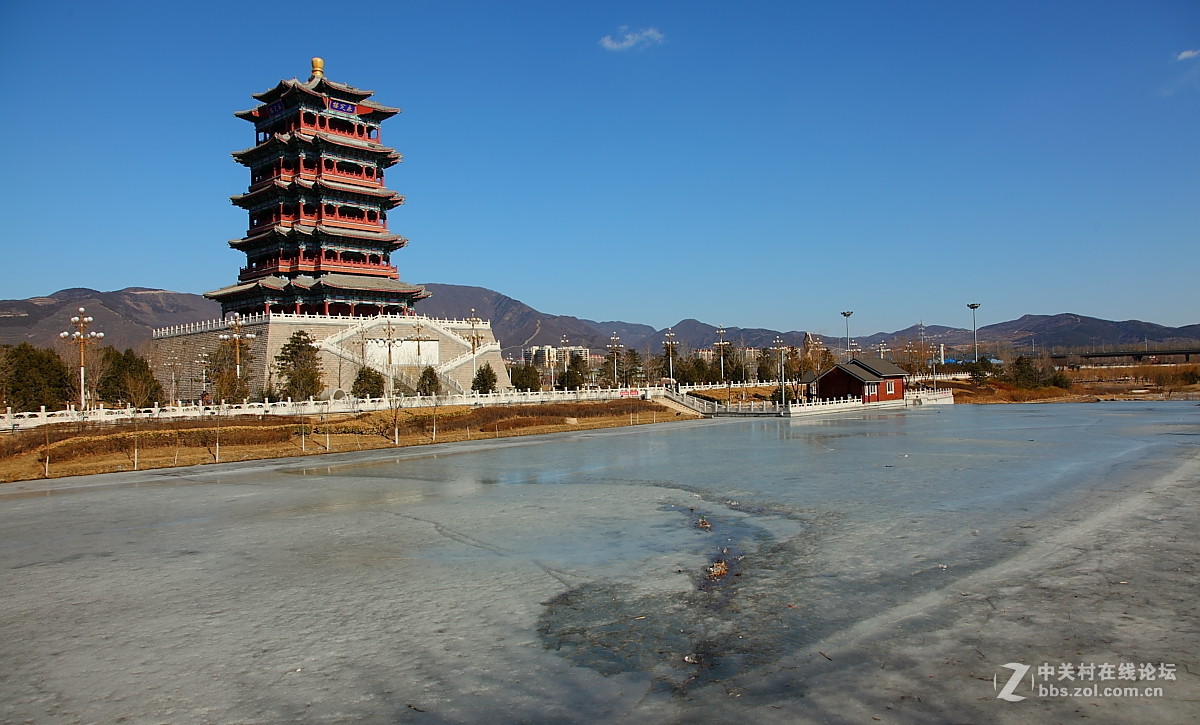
<point x="761" y="164"/>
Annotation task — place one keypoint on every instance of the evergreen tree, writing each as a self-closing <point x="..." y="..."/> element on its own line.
<point x="369" y="383"/>
<point x="485" y="380"/>
<point x="735" y="369"/>
<point x="429" y="383"/>
<point x="614" y="369"/>
<point x="127" y="379"/>
<point x="299" y="366"/>
<point x="980" y="370"/>
<point x="570" y="380"/>
<point x="108" y="387"/>
<point x="526" y="377"/>
<point x="632" y="368"/>
<point x="34" y="377"/>
<point x="685" y="370"/>
<point x="574" y="377"/>
<point x="1023" y="373"/>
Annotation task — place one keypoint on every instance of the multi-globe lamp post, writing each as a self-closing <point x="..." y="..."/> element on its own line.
<point x="781" y="347"/>
<point x="172" y="363"/>
<point x="201" y="362"/>
<point x="669" y="343"/>
<point x="237" y="336"/>
<point x="389" y="382"/>
<point x="615" y="346"/>
<point x="475" y="339"/>
<point x="974" y="331"/>
<point x="82" y="337"/>
<point x="721" y="343"/>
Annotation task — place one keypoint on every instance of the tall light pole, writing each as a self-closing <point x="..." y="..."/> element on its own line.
<point x="172" y="363"/>
<point x="670" y="345"/>
<point x="780" y="346"/>
<point x="475" y="338"/>
<point x="721" y="348"/>
<point x="974" y="332"/>
<point x="237" y="336"/>
<point x="202" y="362"/>
<point x="847" y="314"/>
<point x="82" y="338"/>
<point x="615" y="346"/>
<point x="389" y="330"/>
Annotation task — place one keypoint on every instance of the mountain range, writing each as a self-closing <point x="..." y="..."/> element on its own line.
<point x="127" y="317"/>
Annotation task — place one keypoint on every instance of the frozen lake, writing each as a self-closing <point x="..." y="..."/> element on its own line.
<point x="559" y="578"/>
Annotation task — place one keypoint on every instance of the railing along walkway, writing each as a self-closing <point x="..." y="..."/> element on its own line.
<point x="13" y="421"/>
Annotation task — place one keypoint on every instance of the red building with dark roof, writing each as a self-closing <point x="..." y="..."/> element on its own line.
<point x="317" y="240"/>
<point x="872" y="380"/>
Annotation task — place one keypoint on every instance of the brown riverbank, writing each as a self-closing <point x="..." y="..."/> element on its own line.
<point x="77" y="450"/>
<point x="1081" y="392"/>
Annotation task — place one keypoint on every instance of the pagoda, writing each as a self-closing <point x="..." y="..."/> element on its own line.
<point x="317" y="242"/>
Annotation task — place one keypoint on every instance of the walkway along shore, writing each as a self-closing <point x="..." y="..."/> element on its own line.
<point x="13" y="420"/>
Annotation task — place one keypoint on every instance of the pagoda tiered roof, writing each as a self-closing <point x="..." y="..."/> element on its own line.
<point x="246" y="156"/>
<point x="330" y="281"/>
<point x="389" y="199"/>
<point x="294" y="260"/>
<point x="319" y="87"/>
<point x="382" y="238"/>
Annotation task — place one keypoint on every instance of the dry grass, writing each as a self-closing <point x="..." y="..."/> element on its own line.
<point x="77" y="450"/>
<point x="1080" y="392"/>
<point x="741" y="395"/>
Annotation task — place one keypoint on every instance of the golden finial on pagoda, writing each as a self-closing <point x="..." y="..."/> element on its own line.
<point x="318" y="67"/>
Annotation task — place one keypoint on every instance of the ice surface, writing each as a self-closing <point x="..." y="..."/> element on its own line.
<point x="552" y="579"/>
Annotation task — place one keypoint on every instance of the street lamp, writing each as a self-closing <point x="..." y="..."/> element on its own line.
<point x="847" y="314"/>
<point x="782" y="371"/>
<point x="670" y="345"/>
<point x="974" y="332"/>
<point x="475" y="338"/>
<point x="201" y="361"/>
<point x="172" y="363"/>
<point x="235" y="333"/>
<point x="389" y="331"/>
<point x="81" y="337"/>
<point x="933" y="361"/>
<point x="721" y="343"/>
<point x="615" y="346"/>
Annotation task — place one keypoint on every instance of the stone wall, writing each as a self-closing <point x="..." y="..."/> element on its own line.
<point x="343" y="342"/>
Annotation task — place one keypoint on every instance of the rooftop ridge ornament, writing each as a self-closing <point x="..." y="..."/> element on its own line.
<point x="318" y="68"/>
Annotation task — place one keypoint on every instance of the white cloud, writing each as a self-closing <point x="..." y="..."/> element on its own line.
<point x="628" y="39"/>
<point x="1187" y="54"/>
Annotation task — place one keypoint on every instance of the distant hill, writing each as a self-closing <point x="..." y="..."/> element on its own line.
<point x="518" y="326"/>
<point x="1071" y="330"/>
<point x="127" y="317"/>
